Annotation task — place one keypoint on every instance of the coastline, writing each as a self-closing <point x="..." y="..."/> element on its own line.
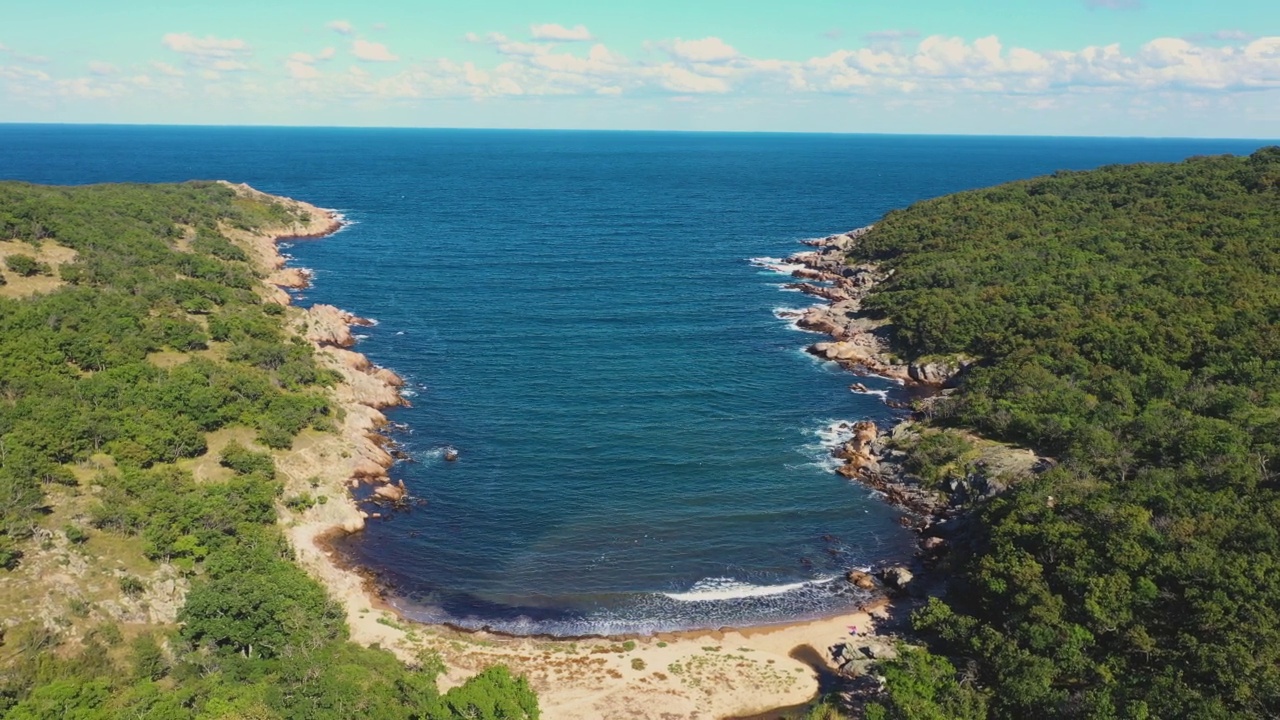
<point x="710" y="673"/>
<point x="872" y="456"/>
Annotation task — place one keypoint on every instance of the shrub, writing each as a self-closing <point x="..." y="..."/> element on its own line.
<point x="26" y="266"/>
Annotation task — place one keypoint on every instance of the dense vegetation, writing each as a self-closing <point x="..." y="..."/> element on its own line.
<point x="1127" y="321"/>
<point x="257" y="638"/>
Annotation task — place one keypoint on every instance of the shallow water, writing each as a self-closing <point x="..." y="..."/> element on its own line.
<point x="643" y="441"/>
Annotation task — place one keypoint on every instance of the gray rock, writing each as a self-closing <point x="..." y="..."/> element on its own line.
<point x="897" y="577"/>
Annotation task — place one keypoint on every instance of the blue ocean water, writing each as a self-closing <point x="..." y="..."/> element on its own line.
<point x="642" y="440"/>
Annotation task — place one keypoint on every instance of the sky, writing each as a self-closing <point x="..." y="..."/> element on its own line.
<point x="1155" y="68"/>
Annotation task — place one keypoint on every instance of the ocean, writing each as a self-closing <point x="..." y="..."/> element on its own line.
<point x="590" y="320"/>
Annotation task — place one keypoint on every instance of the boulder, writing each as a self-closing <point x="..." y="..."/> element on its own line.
<point x="367" y="469"/>
<point x="327" y="325"/>
<point x="864" y="432"/>
<point x="389" y="377"/>
<point x="450" y="454"/>
<point x="897" y="577"/>
<point x="296" y="278"/>
<point x="933" y="373"/>
<point x="394" y="493"/>
<point x="861" y="579"/>
<point x="353" y="360"/>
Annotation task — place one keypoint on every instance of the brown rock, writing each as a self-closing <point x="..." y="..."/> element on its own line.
<point x="861" y="579"/>
<point x="864" y="432"/>
<point x="327" y="325"/>
<point x="394" y="493"/>
<point x="292" y="278"/>
<point x="389" y="377"/>
<point x="366" y="469"/>
<point x="353" y="360"/>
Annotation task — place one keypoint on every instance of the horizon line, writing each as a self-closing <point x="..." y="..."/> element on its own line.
<point x="266" y="126"/>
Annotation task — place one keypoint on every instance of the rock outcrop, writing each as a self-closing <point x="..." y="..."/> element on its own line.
<point x="857" y="658"/>
<point x="859" y="460"/>
<point x="860" y="340"/>
<point x="393" y="493"/>
<point x="861" y="579"/>
<point x="897" y="578"/>
<point x="327" y="325"/>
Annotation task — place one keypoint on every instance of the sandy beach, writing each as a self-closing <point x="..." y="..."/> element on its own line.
<point x="696" y="674"/>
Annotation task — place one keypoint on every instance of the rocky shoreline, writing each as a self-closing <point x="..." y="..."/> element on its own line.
<point x="871" y="456"/>
<point x="364" y="391"/>
<point x="860" y="343"/>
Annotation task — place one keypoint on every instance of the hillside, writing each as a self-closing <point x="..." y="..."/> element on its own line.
<point x="158" y="405"/>
<point x="1127" y="322"/>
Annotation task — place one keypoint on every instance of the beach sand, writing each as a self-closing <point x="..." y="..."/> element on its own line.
<point x="695" y="674"/>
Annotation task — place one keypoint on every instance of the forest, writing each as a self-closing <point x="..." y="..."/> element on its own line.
<point x="257" y="637"/>
<point x="1126" y="321"/>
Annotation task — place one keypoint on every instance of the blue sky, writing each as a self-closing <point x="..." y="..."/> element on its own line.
<point x="1077" y="67"/>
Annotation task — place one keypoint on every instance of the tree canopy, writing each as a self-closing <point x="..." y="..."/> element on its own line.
<point x="1128" y="322"/>
<point x="258" y="638"/>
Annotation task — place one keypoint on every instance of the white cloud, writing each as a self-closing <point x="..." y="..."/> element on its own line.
<point x="342" y="27"/>
<point x="886" y="67"/>
<point x="207" y="46"/>
<point x="228" y="66"/>
<point x="301" y="70"/>
<point x="12" y="72"/>
<point x="681" y="80"/>
<point x="167" y="69"/>
<point x="706" y="50"/>
<point x="1233" y="35"/>
<point x="560" y="33"/>
<point x="372" y="51"/>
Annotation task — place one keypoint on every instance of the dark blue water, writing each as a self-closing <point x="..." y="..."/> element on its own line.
<point x="641" y="438"/>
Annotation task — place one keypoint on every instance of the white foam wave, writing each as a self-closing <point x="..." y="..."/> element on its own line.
<point x="829" y="436"/>
<point x="792" y="316"/>
<point x="399" y="332"/>
<point x="778" y="265"/>
<point x="721" y="588"/>
<point x="344" y="222"/>
<point x="406" y="392"/>
<point x="882" y="394"/>
<point x="361" y="337"/>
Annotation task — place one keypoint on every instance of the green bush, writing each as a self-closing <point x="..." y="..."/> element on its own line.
<point x="247" y="462"/>
<point x="75" y="534"/>
<point x="26" y="265"/>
